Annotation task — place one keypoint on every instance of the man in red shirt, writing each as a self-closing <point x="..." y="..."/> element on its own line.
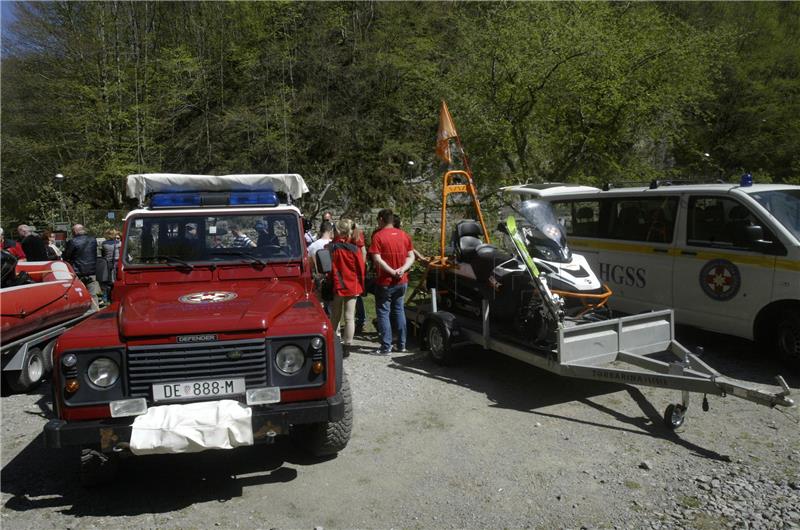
<point x="393" y="254"/>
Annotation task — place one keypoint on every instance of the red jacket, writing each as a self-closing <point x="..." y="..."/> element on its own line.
<point x="347" y="268"/>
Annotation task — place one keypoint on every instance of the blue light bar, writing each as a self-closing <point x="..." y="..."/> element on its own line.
<point x="261" y="198"/>
<point x="169" y="200"/>
<point x="747" y="180"/>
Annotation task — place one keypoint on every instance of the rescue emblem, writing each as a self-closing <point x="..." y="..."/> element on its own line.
<point x="720" y="279"/>
<point x="207" y="297"/>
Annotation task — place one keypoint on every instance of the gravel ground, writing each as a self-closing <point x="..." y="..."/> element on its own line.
<point x="490" y="443"/>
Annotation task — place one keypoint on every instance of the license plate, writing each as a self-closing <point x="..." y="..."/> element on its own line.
<point x="198" y="389"/>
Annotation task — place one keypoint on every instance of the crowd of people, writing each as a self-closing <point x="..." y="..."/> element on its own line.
<point x="95" y="269"/>
<point x="380" y="269"/>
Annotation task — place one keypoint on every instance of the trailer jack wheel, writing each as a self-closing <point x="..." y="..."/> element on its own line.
<point x="674" y="416"/>
<point x="438" y="339"/>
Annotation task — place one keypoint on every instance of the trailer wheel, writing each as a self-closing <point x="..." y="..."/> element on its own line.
<point x="97" y="468"/>
<point x="787" y="338"/>
<point x="31" y="373"/>
<point x="438" y="339"/>
<point x="674" y="416"/>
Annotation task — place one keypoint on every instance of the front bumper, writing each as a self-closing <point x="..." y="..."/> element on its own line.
<point x="268" y="421"/>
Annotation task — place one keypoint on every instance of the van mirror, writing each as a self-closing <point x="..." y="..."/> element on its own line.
<point x="323" y="257"/>
<point x="755" y="235"/>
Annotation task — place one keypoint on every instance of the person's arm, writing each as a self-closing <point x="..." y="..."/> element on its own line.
<point x="407" y="265"/>
<point x="379" y="263"/>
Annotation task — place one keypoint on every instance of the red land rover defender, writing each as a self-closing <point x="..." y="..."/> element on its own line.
<point x="214" y="337"/>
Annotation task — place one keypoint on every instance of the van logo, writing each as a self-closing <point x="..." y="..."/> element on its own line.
<point x="720" y="280"/>
<point x="196" y="338"/>
<point x="234" y="355"/>
<point x="207" y="297"/>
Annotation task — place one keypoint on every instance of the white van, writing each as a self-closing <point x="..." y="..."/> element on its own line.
<point x="725" y="257"/>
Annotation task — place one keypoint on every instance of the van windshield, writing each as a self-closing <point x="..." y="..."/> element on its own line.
<point x="218" y="238"/>
<point x="784" y="205"/>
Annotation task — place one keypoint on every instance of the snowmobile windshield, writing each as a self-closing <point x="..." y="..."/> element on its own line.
<point x="544" y="234"/>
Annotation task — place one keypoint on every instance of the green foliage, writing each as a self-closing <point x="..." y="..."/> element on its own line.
<point x="347" y="94"/>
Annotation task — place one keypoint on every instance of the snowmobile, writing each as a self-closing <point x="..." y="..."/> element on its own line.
<point x="532" y="287"/>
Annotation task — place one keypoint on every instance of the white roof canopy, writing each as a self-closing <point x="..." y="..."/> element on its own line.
<point x="140" y="186"/>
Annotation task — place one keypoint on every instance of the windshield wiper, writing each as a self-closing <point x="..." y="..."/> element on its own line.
<point x="171" y="259"/>
<point x="242" y="253"/>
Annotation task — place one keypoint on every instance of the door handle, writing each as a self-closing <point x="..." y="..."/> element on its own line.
<point x="688" y="253"/>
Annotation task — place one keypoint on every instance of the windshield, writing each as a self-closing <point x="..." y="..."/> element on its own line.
<point x="543" y="232"/>
<point x="784" y="205"/>
<point x="187" y="239"/>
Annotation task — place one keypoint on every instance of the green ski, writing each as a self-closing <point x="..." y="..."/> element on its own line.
<point x="522" y="249"/>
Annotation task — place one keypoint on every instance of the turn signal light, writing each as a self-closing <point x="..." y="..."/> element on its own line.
<point x="72" y="386"/>
<point x="317" y="367"/>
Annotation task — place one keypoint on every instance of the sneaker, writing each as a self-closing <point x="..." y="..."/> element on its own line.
<point x="399" y="349"/>
<point x="381" y="352"/>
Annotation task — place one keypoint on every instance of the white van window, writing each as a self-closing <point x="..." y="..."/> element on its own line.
<point x="643" y="219"/>
<point x="580" y="218"/>
<point x="719" y="222"/>
<point x="784" y="205"/>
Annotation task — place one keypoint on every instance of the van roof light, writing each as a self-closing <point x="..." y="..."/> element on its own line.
<point x="747" y="180"/>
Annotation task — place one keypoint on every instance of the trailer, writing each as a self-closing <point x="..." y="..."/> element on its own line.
<point x="617" y="350"/>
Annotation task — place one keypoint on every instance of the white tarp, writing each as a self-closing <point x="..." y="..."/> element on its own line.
<point x="192" y="428"/>
<point x="139" y="186"/>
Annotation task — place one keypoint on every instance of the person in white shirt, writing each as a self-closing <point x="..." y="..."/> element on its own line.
<point x="326" y="235"/>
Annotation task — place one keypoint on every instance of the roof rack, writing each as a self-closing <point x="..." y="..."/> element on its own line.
<point x="655" y="183"/>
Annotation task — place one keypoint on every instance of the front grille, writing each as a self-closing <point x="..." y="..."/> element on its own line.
<point x="163" y="363"/>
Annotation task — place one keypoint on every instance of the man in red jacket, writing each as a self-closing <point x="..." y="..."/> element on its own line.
<point x="393" y="254"/>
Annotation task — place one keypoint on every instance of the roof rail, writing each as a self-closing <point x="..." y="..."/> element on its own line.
<point x="655" y="183"/>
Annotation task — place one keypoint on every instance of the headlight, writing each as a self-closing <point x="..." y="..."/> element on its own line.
<point x="290" y="359"/>
<point x="103" y="372"/>
<point x="316" y="343"/>
<point x="546" y="253"/>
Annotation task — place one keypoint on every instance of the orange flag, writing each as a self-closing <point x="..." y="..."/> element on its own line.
<point x="447" y="130"/>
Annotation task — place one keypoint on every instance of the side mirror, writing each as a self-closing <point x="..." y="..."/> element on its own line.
<point x="754" y="233"/>
<point x="324" y="264"/>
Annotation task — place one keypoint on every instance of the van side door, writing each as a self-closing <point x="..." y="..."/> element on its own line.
<point x="721" y="277"/>
<point x="627" y="242"/>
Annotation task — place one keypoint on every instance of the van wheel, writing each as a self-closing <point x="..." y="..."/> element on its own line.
<point x="31" y="373"/>
<point x="97" y="468"/>
<point x="787" y="338"/>
<point x="437" y="338"/>
<point x="328" y="437"/>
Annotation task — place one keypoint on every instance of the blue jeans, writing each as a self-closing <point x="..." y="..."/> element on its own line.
<point x="389" y="302"/>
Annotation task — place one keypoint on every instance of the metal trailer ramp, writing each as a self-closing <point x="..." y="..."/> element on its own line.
<point x="595" y="351"/>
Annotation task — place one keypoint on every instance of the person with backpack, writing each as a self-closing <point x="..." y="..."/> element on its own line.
<point x="347" y="272"/>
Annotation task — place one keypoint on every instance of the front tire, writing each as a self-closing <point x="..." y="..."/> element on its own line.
<point x="328" y="437"/>
<point x="787" y="338"/>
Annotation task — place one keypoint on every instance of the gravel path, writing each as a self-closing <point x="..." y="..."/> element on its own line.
<point x="490" y="443"/>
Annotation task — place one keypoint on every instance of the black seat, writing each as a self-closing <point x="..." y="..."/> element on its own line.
<point x="487" y="258"/>
<point x="466" y="240"/>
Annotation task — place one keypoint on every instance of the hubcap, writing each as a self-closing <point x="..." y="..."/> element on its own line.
<point x="35" y="369"/>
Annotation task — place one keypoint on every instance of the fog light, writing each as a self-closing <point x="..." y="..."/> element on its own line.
<point x="128" y="407"/>
<point x="316" y="343"/>
<point x="263" y="396"/>
<point x="72" y="386"/>
<point x="317" y="367"/>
